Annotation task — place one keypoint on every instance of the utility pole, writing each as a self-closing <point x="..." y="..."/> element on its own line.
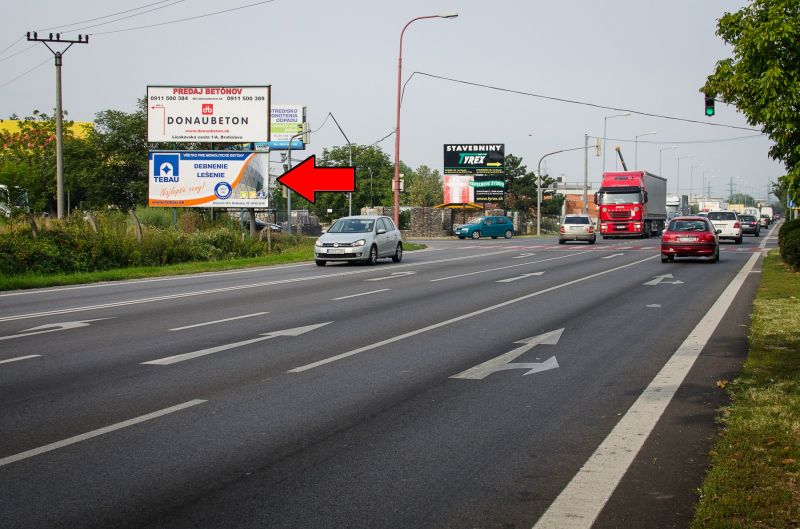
<point x="585" y="173"/>
<point x="82" y="39"/>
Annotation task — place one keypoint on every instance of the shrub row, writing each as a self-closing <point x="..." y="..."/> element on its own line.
<point x="75" y="247"/>
<point x="789" y="243"/>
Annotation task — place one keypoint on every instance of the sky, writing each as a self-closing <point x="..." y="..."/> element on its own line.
<point x="341" y="57"/>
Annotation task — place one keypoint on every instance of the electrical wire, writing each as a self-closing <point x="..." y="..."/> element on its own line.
<point x="11" y="45"/>
<point x="680" y="142"/>
<point x="129" y="16"/>
<point x="184" y="19"/>
<point x="105" y="16"/>
<point x="582" y="103"/>
<point x="26" y="72"/>
<point x="17" y="52"/>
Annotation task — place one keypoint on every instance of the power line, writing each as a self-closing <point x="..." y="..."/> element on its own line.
<point x="681" y="142"/>
<point x="184" y="19"/>
<point x="127" y="17"/>
<point x="26" y="72"/>
<point x="105" y="16"/>
<point x="583" y="103"/>
<point x="11" y="45"/>
<point x="17" y="52"/>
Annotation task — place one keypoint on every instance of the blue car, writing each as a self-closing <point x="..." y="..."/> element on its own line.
<point x="487" y="226"/>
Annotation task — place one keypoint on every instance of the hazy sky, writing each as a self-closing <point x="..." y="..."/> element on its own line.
<point x="341" y="57"/>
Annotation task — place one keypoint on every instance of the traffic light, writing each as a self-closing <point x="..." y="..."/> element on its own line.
<point x="709" y="105"/>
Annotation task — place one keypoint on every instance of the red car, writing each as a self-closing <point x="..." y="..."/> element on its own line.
<point x="690" y="237"/>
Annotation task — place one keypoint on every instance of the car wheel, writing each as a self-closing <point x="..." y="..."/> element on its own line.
<point x="592" y="241"/>
<point x="494" y="236"/>
<point x="738" y="240"/>
<point x="561" y="241"/>
<point x="461" y="237"/>
<point x="508" y="234"/>
<point x="476" y="234"/>
<point x="664" y="259"/>
<point x="320" y="262"/>
<point x="373" y="256"/>
<point x="713" y="258"/>
<point x="398" y="254"/>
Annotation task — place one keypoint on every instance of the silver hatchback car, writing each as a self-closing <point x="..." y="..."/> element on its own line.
<point x="364" y="238"/>
<point x="576" y="228"/>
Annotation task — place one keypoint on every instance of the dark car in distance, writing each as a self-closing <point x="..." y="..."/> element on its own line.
<point x="750" y="225"/>
<point x="691" y="236"/>
<point x="493" y="226"/>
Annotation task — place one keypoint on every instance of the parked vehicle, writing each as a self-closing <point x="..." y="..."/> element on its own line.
<point x="691" y="236"/>
<point x="631" y="204"/>
<point x="493" y="226"/>
<point x="576" y="228"/>
<point x="364" y="238"/>
<point x="728" y="224"/>
<point x="750" y="225"/>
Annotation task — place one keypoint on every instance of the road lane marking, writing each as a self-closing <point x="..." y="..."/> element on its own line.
<point x="581" y="501"/>
<point x="394" y="275"/>
<point x="403" y="336"/>
<point x="362" y="294"/>
<point x="18" y="359"/>
<point x="505" y="360"/>
<point x="218" y="321"/>
<point x="662" y="279"/>
<point x="505" y="267"/>
<point x="297" y="331"/>
<point x="51" y="327"/>
<point x="612" y="255"/>
<point x="237" y="287"/>
<point x="95" y="433"/>
<point x="523" y="276"/>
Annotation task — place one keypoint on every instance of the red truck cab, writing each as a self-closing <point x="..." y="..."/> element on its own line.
<point x="631" y="204"/>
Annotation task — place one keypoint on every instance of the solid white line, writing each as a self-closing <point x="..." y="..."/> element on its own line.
<point x="506" y="267"/>
<point x="94" y="433"/>
<point x="362" y="294"/>
<point x="17" y="359"/>
<point x="459" y="318"/>
<point x="234" y="288"/>
<point x="219" y="321"/>
<point x="584" y="497"/>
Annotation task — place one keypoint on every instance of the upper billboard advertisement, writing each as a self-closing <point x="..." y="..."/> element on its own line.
<point x="235" y="114"/>
<point x="483" y="164"/>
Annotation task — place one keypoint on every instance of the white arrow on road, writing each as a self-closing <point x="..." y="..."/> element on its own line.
<point x="394" y="275"/>
<point x="523" y="255"/>
<point x="523" y="276"/>
<point x="662" y="279"/>
<point x="504" y="361"/>
<point x="297" y="331"/>
<point x="51" y="327"/>
<point x="612" y="255"/>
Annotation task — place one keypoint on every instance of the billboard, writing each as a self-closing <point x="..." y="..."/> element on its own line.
<point x="230" y="114"/>
<point x="483" y="164"/>
<point x="232" y="179"/>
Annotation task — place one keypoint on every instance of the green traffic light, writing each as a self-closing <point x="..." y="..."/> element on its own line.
<point x="709" y="111"/>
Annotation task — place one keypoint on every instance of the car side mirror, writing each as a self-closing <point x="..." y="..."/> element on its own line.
<point x="645" y="197"/>
<point x="381" y="231"/>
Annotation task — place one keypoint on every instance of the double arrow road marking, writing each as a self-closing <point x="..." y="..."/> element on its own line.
<point x="505" y="361"/>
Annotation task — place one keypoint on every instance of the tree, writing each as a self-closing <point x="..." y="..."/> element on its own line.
<point x="762" y="79"/>
<point x="424" y="187"/>
<point x="521" y="192"/>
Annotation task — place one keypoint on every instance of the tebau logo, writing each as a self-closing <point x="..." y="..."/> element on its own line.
<point x="223" y="190"/>
<point x="208" y="109"/>
<point x="166" y="165"/>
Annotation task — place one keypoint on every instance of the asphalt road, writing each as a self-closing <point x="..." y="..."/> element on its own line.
<point x="464" y="387"/>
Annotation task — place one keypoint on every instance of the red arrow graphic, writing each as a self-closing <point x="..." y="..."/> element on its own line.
<point x="307" y="179"/>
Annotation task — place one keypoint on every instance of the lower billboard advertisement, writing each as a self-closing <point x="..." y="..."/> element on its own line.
<point x="224" y="179"/>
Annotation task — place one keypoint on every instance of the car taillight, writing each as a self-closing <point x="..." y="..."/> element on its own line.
<point x="591" y="229"/>
<point x="561" y="229"/>
<point x="736" y="225"/>
<point x="708" y="237"/>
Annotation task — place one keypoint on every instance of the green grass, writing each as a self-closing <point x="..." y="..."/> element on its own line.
<point x="754" y="480"/>
<point x="303" y="252"/>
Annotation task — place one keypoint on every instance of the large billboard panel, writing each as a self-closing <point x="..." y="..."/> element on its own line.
<point x="225" y="114"/>
<point x="483" y="163"/>
<point x="226" y="179"/>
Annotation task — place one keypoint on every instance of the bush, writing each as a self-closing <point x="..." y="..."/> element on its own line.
<point x="790" y="251"/>
<point x="786" y="228"/>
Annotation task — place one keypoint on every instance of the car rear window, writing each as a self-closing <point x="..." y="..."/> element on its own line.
<point x="747" y="218"/>
<point x="722" y="215"/>
<point x="688" y="225"/>
<point x="576" y="220"/>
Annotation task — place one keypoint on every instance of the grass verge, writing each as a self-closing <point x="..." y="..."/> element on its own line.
<point x="303" y="252"/>
<point x="754" y="480"/>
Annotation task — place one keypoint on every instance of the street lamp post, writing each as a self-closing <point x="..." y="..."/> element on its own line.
<point x="659" y="157"/>
<point x="691" y="179"/>
<point x="539" y="185"/>
<point x="396" y="182"/>
<point x="678" y="179"/>
<point x="636" y="147"/>
<point x="605" y="125"/>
